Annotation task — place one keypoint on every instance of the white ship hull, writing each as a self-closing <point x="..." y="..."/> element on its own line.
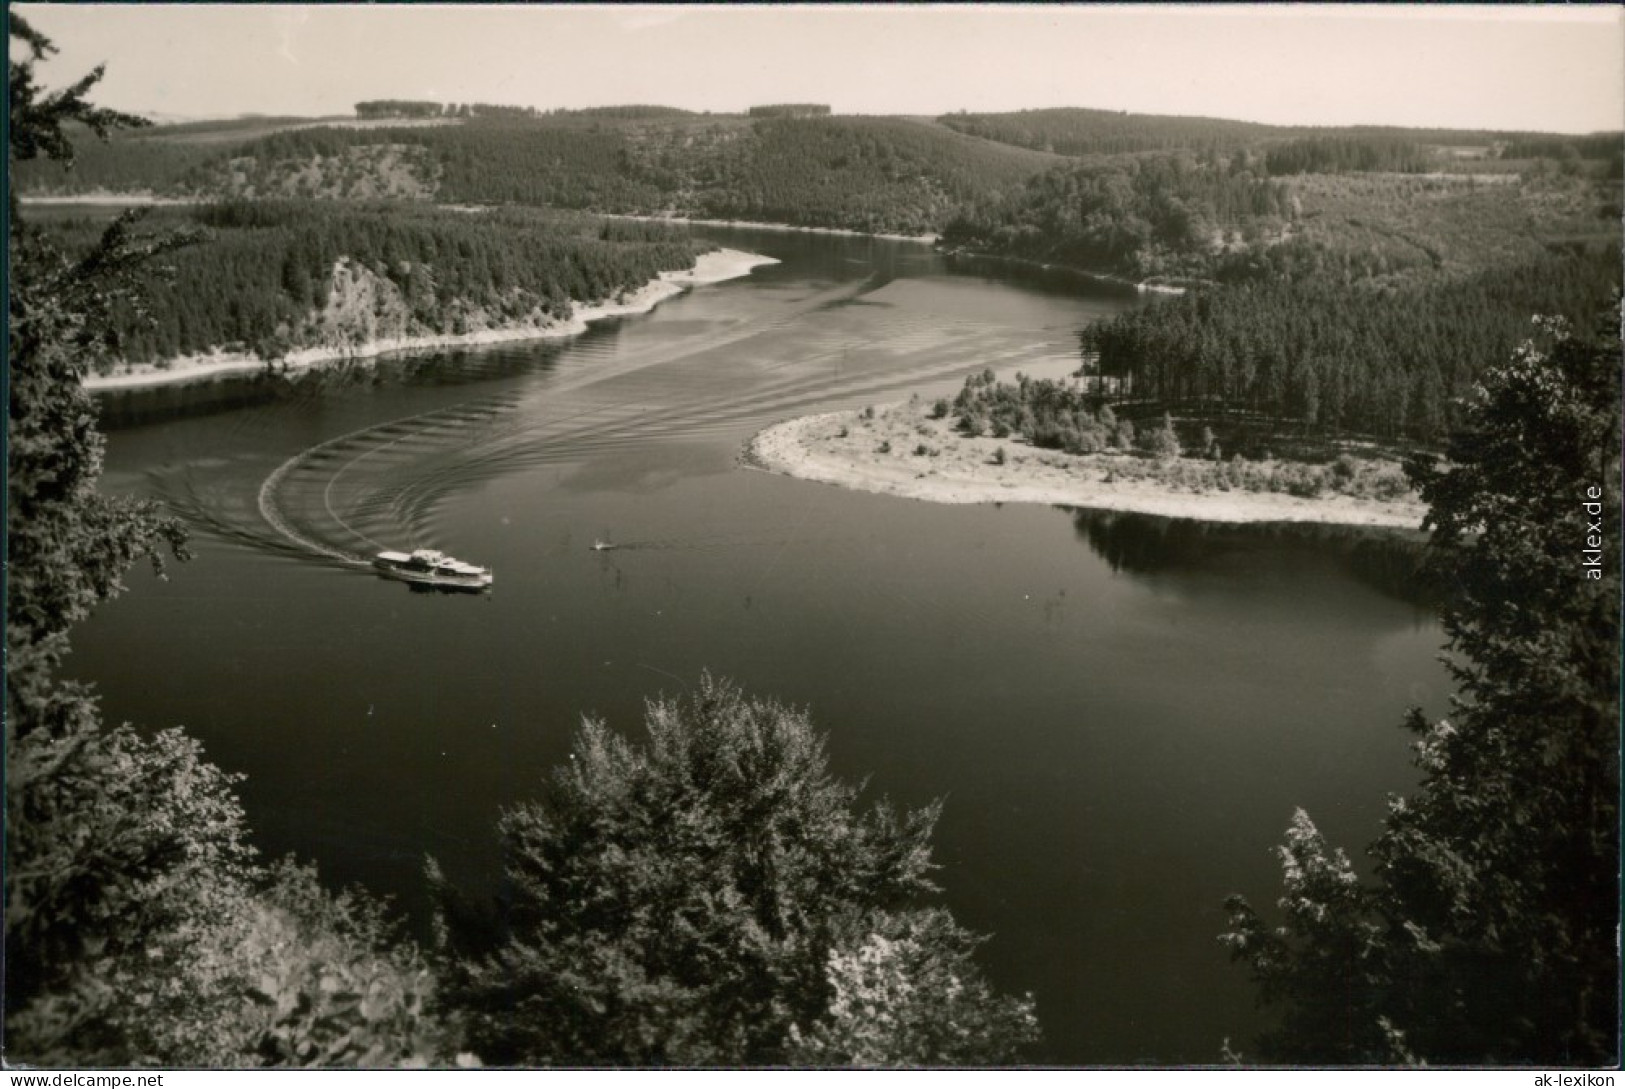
<point x="426" y="567"/>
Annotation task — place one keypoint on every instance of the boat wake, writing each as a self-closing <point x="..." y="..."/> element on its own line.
<point x="380" y="487"/>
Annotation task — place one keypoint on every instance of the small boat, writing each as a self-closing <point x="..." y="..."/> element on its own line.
<point x="426" y="567"/>
<point x="602" y="546"/>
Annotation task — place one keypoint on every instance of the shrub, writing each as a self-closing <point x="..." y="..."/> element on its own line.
<point x="1087" y="438"/>
<point x="1161" y="442"/>
<point x="972" y="424"/>
<point x="1303" y="481"/>
<point x="714" y="896"/>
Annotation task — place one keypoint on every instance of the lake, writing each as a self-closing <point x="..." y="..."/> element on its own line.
<point x="1121" y="712"/>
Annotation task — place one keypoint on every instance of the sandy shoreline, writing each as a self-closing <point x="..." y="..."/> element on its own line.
<point x="790" y="228"/>
<point x="843" y="448"/>
<point x="709" y="268"/>
<point x="134" y="199"/>
<point x="1144" y="287"/>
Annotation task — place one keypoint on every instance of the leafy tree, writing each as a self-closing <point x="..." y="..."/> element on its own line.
<point x="715" y="897"/>
<point x="1488" y="933"/>
<point x="905" y="992"/>
<point x="288" y="975"/>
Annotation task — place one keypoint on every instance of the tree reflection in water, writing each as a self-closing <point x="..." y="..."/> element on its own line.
<point x="1386" y="559"/>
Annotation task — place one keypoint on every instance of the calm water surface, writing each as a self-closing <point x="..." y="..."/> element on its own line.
<point x="1121" y="712"/>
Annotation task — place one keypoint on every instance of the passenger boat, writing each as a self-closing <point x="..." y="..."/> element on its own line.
<point x="426" y="567"/>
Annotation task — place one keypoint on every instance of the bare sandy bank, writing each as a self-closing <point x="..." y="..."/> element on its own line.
<point x="882" y="455"/>
<point x="709" y="268"/>
<point x="141" y="198"/>
<point x="1144" y="287"/>
<point x="922" y="239"/>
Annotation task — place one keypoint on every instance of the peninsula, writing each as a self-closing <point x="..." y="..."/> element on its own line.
<point x="902" y="450"/>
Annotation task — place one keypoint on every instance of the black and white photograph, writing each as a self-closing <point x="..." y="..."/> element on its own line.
<point x="813" y="537"/>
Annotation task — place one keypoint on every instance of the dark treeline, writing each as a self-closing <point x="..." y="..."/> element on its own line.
<point x="493" y="110"/>
<point x="1346" y="155"/>
<point x="1151" y="215"/>
<point x="1316" y="353"/>
<point x="790" y="109"/>
<point x="397" y="107"/>
<point x="268" y="267"/>
<point x="634" y="112"/>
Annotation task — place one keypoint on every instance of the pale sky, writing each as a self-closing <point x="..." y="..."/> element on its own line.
<point x="1549" y="68"/>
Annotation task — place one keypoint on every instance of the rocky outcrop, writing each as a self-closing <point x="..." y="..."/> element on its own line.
<point x="366" y="308"/>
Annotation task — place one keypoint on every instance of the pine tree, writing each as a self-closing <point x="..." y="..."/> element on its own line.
<point x="1488" y="934"/>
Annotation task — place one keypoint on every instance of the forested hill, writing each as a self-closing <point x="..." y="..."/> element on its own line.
<point x="860" y="173"/>
<point x="880" y="174"/>
<point x="1179" y="215"/>
<point x="1333" y="289"/>
<point x="1085" y="132"/>
<point x="1076" y="131"/>
<point x="1311" y="355"/>
<point x="277" y="276"/>
<point x="1163" y="215"/>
